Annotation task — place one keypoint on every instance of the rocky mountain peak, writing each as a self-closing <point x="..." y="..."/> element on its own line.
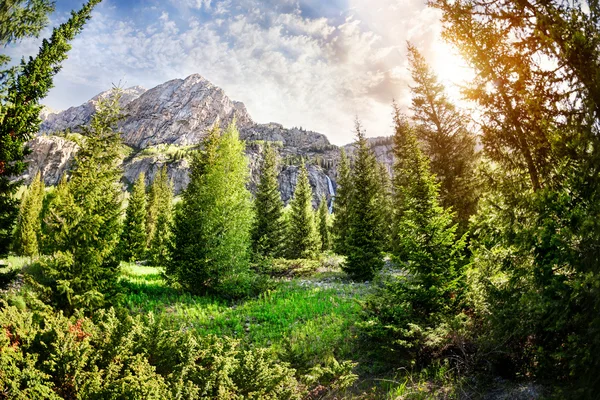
<point x="180" y="112"/>
<point x="72" y="118"/>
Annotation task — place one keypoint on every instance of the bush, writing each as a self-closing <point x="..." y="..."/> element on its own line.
<point x="47" y="355"/>
<point x="281" y="267"/>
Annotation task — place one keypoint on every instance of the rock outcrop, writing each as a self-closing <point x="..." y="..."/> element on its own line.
<point x="180" y="112"/>
<point x="50" y="155"/>
<point x="74" y="117"/>
<point x="177" y="114"/>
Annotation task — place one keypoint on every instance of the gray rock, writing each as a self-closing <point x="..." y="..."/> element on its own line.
<point x="74" y="117"/>
<point x="52" y="156"/>
<point x="180" y="112"/>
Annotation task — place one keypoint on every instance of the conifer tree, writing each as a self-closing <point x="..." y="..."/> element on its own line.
<point x="133" y="238"/>
<point x="21" y="89"/>
<point x="212" y="227"/>
<point x="365" y="240"/>
<point x="384" y="203"/>
<point x="303" y="235"/>
<point x="29" y="223"/>
<point x="425" y="235"/>
<point x="323" y="213"/>
<point x="342" y="199"/>
<point x="160" y="242"/>
<point x="83" y="220"/>
<point x="448" y="143"/>
<point x="269" y="227"/>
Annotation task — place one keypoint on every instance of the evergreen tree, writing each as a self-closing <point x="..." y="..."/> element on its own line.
<point x="29" y="223"/>
<point x="343" y="196"/>
<point x="21" y="89"/>
<point x="133" y="239"/>
<point x="384" y="203"/>
<point x="83" y="220"/>
<point x="160" y="242"/>
<point x="323" y="213"/>
<point x="269" y="228"/>
<point x="212" y="226"/>
<point x="365" y="240"/>
<point x="449" y="145"/>
<point x="303" y="235"/>
<point x="425" y="239"/>
<point x="537" y="251"/>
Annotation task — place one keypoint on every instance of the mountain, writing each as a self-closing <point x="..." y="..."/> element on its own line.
<point x="164" y="123"/>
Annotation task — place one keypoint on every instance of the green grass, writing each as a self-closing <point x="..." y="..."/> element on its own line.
<point x="299" y="320"/>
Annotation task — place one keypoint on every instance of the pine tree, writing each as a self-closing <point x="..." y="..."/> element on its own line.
<point x="425" y="235"/>
<point x="269" y="228"/>
<point x="29" y="223"/>
<point x="364" y="238"/>
<point x="212" y="226"/>
<point x="448" y="143"/>
<point x="384" y="203"/>
<point x="83" y="220"/>
<point x="323" y="214"/>
<point x="343" y="196"/>
<point x="160" y="242"/>
<point x="133" y="238"/>
<point x="21" y="89"/>
<point x="303" y="235"/>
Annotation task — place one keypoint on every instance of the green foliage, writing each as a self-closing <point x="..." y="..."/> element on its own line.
<point x="410" y="308"/>
<point x="269" y="226"/>
<point x="161" y="208"/>
<point x="29" y="223"/>
<point x="323" y="215"/>
<point x="281" y="267"/>
<point x="535" y="268"/>
<point x="385" y="205"/>
<point x="364" y="241"/>
<point x="45" y="355"/>
<point x="303" y="236"/>
<point x="133" y="238"/>
<point x="212" y="227"/>
<point x="449" y="145"/>
<point x="341" y="202"/>
<point x="83" y="219"/>
<point x="20" y="19"/>
<point x="21" y="89"/>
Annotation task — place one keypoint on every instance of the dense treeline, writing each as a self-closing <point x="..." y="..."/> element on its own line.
<point x="484" y="261"/>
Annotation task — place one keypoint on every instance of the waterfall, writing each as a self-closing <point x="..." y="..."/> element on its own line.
<point x="331" y="193"/>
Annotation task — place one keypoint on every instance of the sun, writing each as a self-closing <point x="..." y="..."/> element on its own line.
<point x="451" y="69"/>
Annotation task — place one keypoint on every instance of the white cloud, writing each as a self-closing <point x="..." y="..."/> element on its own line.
<point x="312" y="72"/>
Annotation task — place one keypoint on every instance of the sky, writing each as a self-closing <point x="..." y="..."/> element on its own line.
<point x="309" y="63"/>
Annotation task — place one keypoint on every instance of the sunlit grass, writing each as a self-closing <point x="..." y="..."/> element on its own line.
<point x="305" y="322"/>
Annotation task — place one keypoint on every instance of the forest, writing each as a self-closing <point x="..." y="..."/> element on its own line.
<point x="470" y="270"/>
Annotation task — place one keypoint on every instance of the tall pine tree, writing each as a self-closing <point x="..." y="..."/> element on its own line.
<point x="269" y="227"/>
<point x="83" y="220"/>
<point x="449" y="144"/>
<point x="323" y="215"/>
<point x="303" y="236"/>
<point x="212" y="228"/>
<point x="29" y="223"/>
<point x="425" y="235"/>
<point x="364" y="238"/>
<point x="343" y="196"/>
<point x="21" y="89"/>
<point x="160" y="243"/>
<point x="133" y="238"/>
<point x="384" y="203"/>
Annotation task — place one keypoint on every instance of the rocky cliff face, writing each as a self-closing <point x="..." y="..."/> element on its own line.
<point x="180" y="112"/>
<point x="177" y="114"/>
<point x="74" y="117"/>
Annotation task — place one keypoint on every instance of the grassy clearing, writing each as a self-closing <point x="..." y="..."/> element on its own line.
<point x="302" y="320"/>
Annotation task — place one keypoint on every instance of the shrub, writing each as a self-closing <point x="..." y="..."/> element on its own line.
<point x="47" y="355"/>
